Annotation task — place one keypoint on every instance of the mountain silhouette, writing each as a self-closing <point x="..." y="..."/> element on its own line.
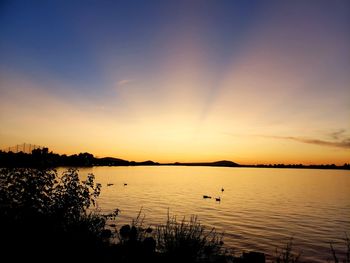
<point x="223" y="163"/>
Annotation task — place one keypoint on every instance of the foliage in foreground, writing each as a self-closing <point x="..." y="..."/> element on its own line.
<point x="189" y="240"/>
<point x="42" y="213"/>
<point x="346" y="258"/>
<point x="287" y="255"/>
<point x="184" y="241"/>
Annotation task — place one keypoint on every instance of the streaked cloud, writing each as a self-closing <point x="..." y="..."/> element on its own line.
<point x="343" y="143"/>
<point x="339" y="134"/>
<point x="124" y="82"/>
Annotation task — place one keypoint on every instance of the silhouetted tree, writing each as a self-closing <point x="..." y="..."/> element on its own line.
<point x="42" y="212"/>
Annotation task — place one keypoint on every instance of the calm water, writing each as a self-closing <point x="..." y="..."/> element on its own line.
<point x="260" y="209"/>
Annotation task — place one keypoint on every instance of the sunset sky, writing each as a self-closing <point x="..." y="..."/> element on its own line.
<point x="247" y="81"/>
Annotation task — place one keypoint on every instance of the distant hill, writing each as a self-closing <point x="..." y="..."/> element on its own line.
<point x="144" y="163"/>
<point x="106" y="161"/>
<point x="223" y="163"/>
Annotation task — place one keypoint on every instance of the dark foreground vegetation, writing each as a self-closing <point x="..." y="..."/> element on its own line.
<point x="46" y="217"/>
<point x="44" y="158"/>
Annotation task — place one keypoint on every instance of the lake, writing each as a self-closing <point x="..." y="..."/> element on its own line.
<point x="260" y="208"/>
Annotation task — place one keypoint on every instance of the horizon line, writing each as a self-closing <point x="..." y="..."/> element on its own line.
<point x="192" y="163"/>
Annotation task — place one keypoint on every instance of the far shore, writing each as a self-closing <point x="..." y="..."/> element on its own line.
<point x="44" y="158"/>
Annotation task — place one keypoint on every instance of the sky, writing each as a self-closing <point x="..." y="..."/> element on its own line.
<point x="247" y="81"/>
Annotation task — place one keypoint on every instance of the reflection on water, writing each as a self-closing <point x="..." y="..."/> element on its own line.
<point x="260" y="209"/>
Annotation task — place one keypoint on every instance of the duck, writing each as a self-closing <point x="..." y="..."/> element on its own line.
<point x="125" y="184"/>
<point x="109" y="184"/>
<point x="222" y="189"/>
<point x="206" y="196"/>
<point x="218" y="199"/>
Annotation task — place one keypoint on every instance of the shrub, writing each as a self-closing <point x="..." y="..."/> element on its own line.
<point x="287" y="255"/>
<point x="346" y="258"/>
<point x="188" y="241"/>
<point x="41" y="212"/>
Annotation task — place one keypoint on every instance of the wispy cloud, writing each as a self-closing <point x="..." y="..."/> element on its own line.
<point x="339" y="134"/>
<point x="124" y="82"/>
<point x="344" y="143"/>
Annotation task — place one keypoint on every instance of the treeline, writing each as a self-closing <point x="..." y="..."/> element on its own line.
<point x="44" y="158"/>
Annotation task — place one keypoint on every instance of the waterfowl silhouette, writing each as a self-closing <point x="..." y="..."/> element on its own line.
<point x="206" y="196"/>
<point x="222" y="189"/>
<point x="125" y="184"/>
<point x="217" y="199"/>
<point x="110" y="184"/>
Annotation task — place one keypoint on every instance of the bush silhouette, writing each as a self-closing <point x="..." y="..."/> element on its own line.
<point x="189" y="241"/>
<point x="42" y="213"/>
